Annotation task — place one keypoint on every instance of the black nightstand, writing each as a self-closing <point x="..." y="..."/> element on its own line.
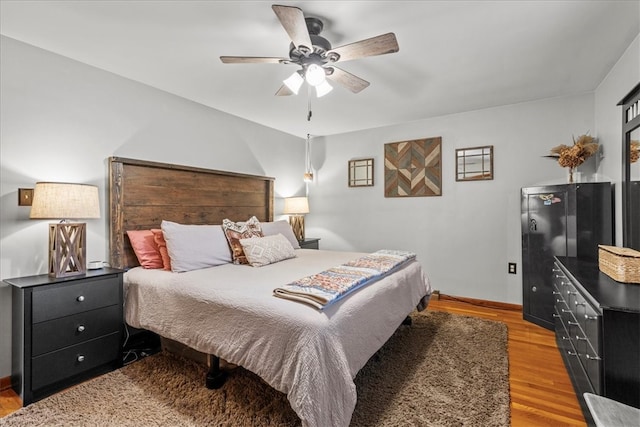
<point x="309" y="243"/>
<point x="64" y="330"/>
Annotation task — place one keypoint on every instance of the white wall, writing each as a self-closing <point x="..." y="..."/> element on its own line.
<point x="466" y="237"/>
<point x="62" y="119"/>
<point x="616" y="85"/>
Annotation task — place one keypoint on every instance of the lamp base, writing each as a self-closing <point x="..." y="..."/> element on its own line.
<point x="297" y="225"/>
<point x="67" y="251"/>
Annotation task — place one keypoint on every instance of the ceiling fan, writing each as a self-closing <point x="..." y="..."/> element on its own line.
<point x="314" y="54"/>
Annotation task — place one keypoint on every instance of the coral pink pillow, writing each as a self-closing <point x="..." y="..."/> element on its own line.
<point x="162" y="247"/>
<point x="145" y="248"/>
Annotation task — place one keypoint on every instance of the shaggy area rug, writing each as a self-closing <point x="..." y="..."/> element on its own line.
<point x="443" y="370"/>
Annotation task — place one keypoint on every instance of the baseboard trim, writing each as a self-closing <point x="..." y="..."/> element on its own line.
<point x="483" y="303"/>
<point x="5" y="383"/>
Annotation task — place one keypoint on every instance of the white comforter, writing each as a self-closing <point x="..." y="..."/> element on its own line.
<point x="312" y="356"/>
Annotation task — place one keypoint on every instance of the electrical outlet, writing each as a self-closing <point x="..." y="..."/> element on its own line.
<point x="512" y="268"/>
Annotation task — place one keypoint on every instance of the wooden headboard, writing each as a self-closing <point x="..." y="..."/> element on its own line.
<point x="143" y="193"/>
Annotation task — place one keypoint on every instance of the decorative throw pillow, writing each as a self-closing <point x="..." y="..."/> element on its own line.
<point x="145" y="248"/>
<point x="266" y="250"/>
<point x="158" y="237"/>
<point x="280" y="227"/>
<point x="236" y="231"/>
<point x="192" y="247"/>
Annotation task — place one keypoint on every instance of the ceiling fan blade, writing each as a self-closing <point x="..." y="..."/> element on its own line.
<point x="379" y="45"/>
<point x="354" y="83"/>
<point x="284" y="91"/>
<point x="252" y="60"/>
<point x="292" y="19"/>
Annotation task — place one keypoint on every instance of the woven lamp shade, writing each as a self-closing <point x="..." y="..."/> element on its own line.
<point x="296" y="207"/>
<point x="61" y="200"/>
<point x="67" y="240"/>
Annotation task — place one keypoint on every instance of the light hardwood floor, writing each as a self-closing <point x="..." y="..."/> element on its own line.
<point x="540" y="389"/>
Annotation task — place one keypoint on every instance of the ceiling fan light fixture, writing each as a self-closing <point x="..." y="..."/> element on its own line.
<point x="294" y="82"/>
<point x="315" y="54"/>
<point x="315" y="75"/>
<point x="323" y="88"/>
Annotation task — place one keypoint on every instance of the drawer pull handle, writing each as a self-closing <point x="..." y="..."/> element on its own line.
<point x="573" y="323"/>
<point x="587" y="317"/>
<point x="81" y="328"/>
<point x="572" y="353"/>
<point x="580" y="303"/>
<point x="565" y="338"/>
<point x="578" y="338"/>
<point x="593" y="357"/>
<point x="80" y="298"/>
<point x="556" y="293"/>
<point x="571" y="293"/>
<point x="565" y="311"/>
<point x="80" y="358"/>
<point x="556" y="315"/>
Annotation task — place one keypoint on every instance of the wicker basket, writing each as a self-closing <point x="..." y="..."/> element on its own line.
<point x="621" y="264"/>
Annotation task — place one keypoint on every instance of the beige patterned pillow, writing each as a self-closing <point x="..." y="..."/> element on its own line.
<point x="267" y="250"/>
<point x="236" y="231"/>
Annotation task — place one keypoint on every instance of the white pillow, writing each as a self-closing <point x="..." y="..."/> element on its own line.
<point x="280" y="227"/>
<point x="267" y="250"/>
<point x="192" y="247"/>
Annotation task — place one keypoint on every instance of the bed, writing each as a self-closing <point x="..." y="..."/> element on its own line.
<point x="229" y="311"/>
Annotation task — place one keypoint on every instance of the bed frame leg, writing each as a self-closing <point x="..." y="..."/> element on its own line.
<point x="215" y="377"/>
<point x="407" y="321"/>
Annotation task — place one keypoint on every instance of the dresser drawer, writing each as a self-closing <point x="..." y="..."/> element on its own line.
<point x="70" y="330"/>
<point x="64" y="300"/>
<point x="566" y="314"/>
<point x="592" y="365"/>
<point x="591" y="321"/>
<point x="562" y="336"/>
<point x="50" y="368"/>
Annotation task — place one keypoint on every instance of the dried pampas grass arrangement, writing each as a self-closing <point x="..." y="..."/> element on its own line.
<point x="572" y="156"/>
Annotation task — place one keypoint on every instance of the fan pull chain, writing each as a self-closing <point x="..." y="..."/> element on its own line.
<point x="309" y="103"/>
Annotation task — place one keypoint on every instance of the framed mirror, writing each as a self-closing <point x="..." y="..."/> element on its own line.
<point x="474" y="163"/>
<point x="361" y="173"/>
<point x="631" y="169"/>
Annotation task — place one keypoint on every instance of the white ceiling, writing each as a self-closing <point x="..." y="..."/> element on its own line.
<point x="454" y="55"/>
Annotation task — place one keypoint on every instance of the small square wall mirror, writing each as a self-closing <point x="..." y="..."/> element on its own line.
<point x="361" y="173"/>
<point x="474" y="163"/>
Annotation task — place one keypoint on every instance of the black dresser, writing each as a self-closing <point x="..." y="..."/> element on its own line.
<point x="597" y="323"/>
<point x="64" y="330"/>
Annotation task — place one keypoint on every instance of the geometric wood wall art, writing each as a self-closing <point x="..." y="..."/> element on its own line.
<point x="413" y="168"/>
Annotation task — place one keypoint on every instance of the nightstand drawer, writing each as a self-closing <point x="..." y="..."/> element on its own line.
<point x="58" y="301"/>
<point x="62" y="364"/>
<point x="310" y="243"/>
<point x="71" y="330"/>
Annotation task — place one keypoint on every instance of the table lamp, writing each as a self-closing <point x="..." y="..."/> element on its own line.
<point x="65" y="201"/>
<point x="296" y="207"/>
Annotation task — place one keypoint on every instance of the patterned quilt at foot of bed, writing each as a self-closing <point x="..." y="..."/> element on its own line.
<point x="323" y="289"/>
